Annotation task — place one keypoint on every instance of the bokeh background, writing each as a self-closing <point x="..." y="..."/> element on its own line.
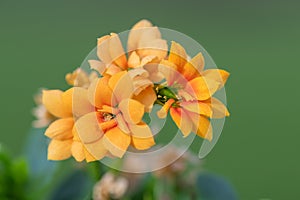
<point x="257" y="41"/>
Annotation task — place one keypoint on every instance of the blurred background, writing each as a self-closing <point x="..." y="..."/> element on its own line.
<point x="256" y="41"/>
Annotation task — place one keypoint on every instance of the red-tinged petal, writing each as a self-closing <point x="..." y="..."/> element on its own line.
<point x="116" y="141"/>
<point x="61" y="129"/>
<point x="163" y="112"/>
<point x="52" y="100"/>
<point x="88" y="128"/>
<point x="59" y="149"/>
<point x="202" y="88"/>
<point x="177" y="56"/>
<point x="121" y="85"/>
<point x="182" y="120"/>
<point x="142" y="137"/>
<point x="78" y="151"/>
<point x="132" y="110"/>
<point x="197" y="107"/>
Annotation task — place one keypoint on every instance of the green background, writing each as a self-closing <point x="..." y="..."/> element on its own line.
<point x="257" y="41"/>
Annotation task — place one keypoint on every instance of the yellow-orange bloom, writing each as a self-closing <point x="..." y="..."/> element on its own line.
<point x="193" y="89"/>
<point x="116" y="122"/>
<point x="145" y="50"/>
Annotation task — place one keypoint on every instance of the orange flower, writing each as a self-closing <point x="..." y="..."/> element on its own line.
<point x="146" y="49"/>
<point x="116" y="121"/>
<point x="60" y="104"/>
<point x="189" y="92"/>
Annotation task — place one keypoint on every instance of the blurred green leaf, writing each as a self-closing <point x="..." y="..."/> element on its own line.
<point x="213" y="187"/>
<point x="77" y="185"/>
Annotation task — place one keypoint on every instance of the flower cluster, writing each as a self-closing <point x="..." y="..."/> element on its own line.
<point x="101" y="115"/>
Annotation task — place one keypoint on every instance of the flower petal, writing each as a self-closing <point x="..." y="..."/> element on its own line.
<point x="134" y="60"/>
<point x="117" y="52"/>
<point x="155" y="47"/>
<point x="182" y="120"/>
<point x="61" y="129"/>
<point x="135" y="34"/>
<point x="147" y="97"/>
<point x="77" y="100"/>
<point x="88" y="128"/>
<point x="193" y="67"/>
<point x="121" y="85"/>
<point x="77" y="150"/>
<point x="100" y="94"/>
<point x="142" y="137"/>
<point x="52" y="100"/>
<point x="197" y="107"/>
<point x="219" y="110"/>
<point x="201" y="126"/>
<point x="116" y="141"/>
<point x="59" y="149"/>
<point x="103" y="49"/>
<point x="98" y="66"/>
<point x="132" y="110"/>
<point x="177" y="55"/>
<point x="202" y="88"/>
<point x="96" y="149"/>
<point x="218" y="75"/>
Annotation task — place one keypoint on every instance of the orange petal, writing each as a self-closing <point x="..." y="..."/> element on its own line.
<point x="169" y="71"/>
<point x="202" y="88"/>
<point x="218" y="108"/>
<point x="77" y="100"/>
<point x="163" y="112"/>
<point x="52" y="100"/>
<point x="132" y="110"/>
<point x="100" y="94"/>
<point x="218" y="75"/>
<point x="197" y="107"/>
<point x="155" y="47"/>
<point x="135" y="34"/>
<point x="59" y="149"/>
<point x="112" y="69"/>
<point x="116" y="51"/>
<point x="77" y="151"/>
<point x="61" y="129"/>
<point x="134" y="60"/>
<point x="103" y="49"/>
<point x="88" y="128"/>
<point x="116" y="141"/>
<point x="122" y="124"/>
<point x="89" y="157"/>
<point x="201" y="126"/>
<point x="96" y="149"/>
<point x="98" y="66"/>
<point x="193" y="67"/>
<point x="121" y="85"/>
<point x="142" y="137"/>
<point x="182" y="120"/>
<point x="147" y="97"/>
<point x="177" y="56"/>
